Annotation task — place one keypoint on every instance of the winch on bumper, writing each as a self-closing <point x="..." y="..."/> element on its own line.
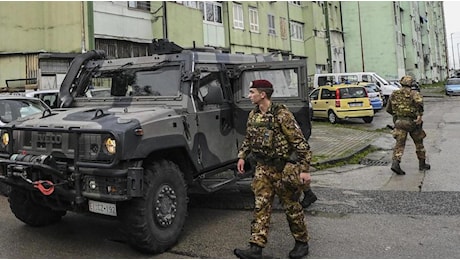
<point x="73" y="178"/>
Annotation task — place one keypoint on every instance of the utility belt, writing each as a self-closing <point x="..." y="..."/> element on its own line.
<point x="279" y="163"/>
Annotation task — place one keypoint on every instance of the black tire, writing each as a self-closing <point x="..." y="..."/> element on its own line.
<point x="332" y="117"/>
<point x="28" y="211"/>
<point x="368" y="119"/>
<point x="154" y="222"/>
<point x="5" y="189"/>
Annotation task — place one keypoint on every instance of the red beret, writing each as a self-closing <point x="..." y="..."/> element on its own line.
<point x="260" y="83"/>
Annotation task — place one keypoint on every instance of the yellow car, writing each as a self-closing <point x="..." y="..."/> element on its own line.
<point x="342" y="101"/>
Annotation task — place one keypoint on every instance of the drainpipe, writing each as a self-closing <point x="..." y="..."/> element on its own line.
<point x="361" y="38"/>
<point x="228" y="28"/>
<point x="289" y="26"/>
<point x="83" y="36"/>
<point x="165" y="23"/>
<point x="343" y="39"/>
<point x="328" y="38"/>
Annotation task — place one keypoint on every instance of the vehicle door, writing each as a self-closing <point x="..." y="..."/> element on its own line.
<point x="290" y="88"/>
<point x="215" y="141"/>
<point x="314" y="99"/>
<point x="326" y="101"/>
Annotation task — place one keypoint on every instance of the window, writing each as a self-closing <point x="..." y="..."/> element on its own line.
<point x="141" y="5"/>
<point x="283" y="28"/>
<point x="212" y="12"/>
<point x="286" y="81"/>
<point x="238" y="21"/>
<point x="271" y="24"/>
<point x="122" y="49"/>
<point x="297" y="31"/>
<point x="253" y="19"/>
<point x="192" y="4"/>
<point x="295" y="2"/>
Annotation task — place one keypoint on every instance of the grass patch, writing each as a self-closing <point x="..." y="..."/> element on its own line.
<point x="355" y="159"/>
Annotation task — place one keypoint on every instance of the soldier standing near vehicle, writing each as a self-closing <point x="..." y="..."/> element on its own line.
<point x="406" y="107"/>
<point x="283" y="157"/>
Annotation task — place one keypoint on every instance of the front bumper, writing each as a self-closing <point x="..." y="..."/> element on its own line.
<point x="76" y="184"/>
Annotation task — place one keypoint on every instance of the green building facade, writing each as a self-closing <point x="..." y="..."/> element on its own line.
<point x="396" y="39"/>
<point x="331" y="36"/>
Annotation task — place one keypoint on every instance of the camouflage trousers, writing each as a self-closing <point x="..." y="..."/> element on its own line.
<point x="402" y="128"/>
<point x="267" y="183"/>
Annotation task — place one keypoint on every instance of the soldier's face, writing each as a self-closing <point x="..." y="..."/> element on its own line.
<point x="255" y="95"/>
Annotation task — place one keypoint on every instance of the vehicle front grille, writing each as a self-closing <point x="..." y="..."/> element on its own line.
<point x="64" y="145"/>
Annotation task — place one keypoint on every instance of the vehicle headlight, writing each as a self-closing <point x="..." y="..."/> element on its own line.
<point x="5" y="139"/>
<point x="110" y="145"/>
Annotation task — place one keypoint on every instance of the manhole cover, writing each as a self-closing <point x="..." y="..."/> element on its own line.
<point x="370" y="162"/>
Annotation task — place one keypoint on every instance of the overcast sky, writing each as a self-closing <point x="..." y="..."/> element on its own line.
<point x="452" y="18"/>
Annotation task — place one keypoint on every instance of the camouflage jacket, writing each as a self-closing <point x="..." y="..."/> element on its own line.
<point x="275" y="135"/>
<point x="405" y="102"/>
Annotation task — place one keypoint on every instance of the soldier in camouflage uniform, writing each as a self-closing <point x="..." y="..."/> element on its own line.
<point x="283" y="156"/>
<point x="406" y="107"/>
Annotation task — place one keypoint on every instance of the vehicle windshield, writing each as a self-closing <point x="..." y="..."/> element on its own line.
<point x="12" y="109"/>
<point x="164" y="81"/>
<point x="453" y="81"/>
<point x="370" y="89"/>
<point x="381" y="79"/>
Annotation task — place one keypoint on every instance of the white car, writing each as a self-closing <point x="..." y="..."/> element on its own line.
<point x="14" y="107"/>
<point x="51" y="96"/>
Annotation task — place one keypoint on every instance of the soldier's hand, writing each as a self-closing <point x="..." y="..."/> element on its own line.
<point x="305" y="177"/>
<point x="418" y="121"/>
<point x="240" y="166"/>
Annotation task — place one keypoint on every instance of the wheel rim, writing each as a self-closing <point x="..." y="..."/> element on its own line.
<point x="165" y="206"/>
<point x="331" y="117"/>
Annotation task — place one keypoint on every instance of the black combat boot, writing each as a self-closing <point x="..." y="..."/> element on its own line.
<point x="396" y="168"/>
<point x="300" y="250"/>
<point x="422" y="165"/>
<point x="253" y="252"/>
<point x="308" y="199"/>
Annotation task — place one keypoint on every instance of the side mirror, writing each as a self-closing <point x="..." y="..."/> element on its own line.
<point x="214" y="95"/>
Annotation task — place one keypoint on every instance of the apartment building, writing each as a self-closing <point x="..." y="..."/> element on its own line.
<point x="396" y="38"/>
<point x="325" y="34"/>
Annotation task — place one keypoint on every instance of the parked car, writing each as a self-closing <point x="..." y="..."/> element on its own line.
<point x="374" y="95"/>
<point x="452" y="86"/>
<point x="14" y="107"/>
<point x="49" y="96"/>
<point x="343" y="101"/>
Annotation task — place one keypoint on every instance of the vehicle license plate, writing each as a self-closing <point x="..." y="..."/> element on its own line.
<point x="356" y="104"/>
<point x="102" y="208"/>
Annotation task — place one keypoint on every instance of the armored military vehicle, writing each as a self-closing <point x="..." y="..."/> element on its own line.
<point x="173" y="120"/>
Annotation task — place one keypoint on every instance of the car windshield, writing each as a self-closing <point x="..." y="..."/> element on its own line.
<point x="370" y="89"/>
<point x="12" y="109"/>
<point x="453" y="81"/>
<point x="352" y="92"/>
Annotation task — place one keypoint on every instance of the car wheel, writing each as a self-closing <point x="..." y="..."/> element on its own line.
<point x="154" y="221"/>
<point x="368" y="119"/>
<point x="332" y="117"/>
